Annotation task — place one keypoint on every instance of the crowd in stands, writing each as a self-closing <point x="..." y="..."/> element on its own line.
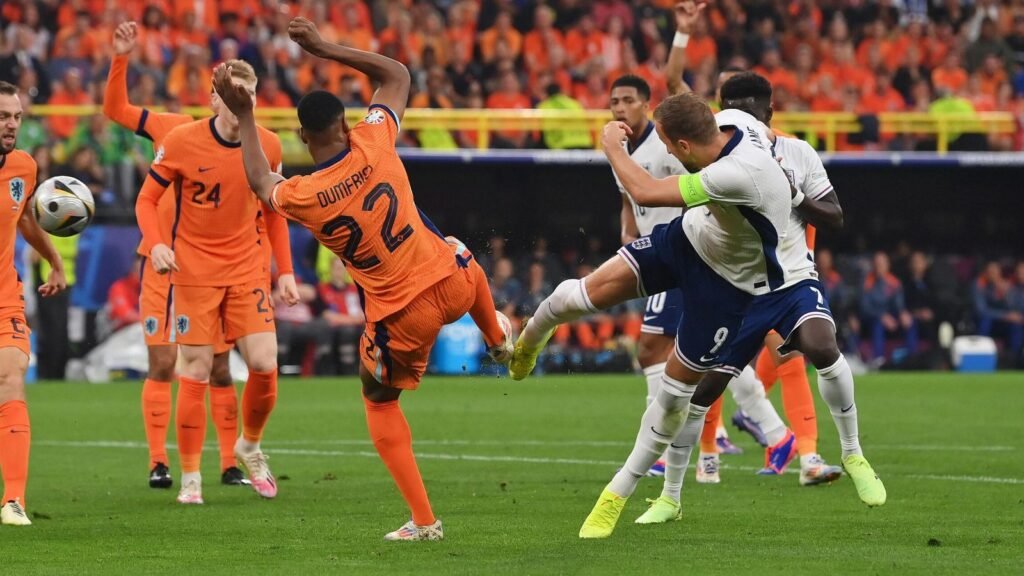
<point x="833" y="55"/>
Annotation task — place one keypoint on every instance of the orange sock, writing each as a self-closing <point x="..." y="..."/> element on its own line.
<point x="224" y="409"/>
<point x="482" y="310"/>
<point x="258" y="400"/>
<point x="766" y="370"/>
<point x="15" y="441"/>
<point x="798" y="403"/>
<point x="708" y="444"/>
<point x="156" y="416"/>
<point x="391" y="436"/>
<point x="190" y="422"/>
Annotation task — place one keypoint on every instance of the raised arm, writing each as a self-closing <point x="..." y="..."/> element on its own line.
<point x="262" y="179"/>
<point x="115" y="98"/>
<point x="687" y="13"/>
<point x="646" y="190"/>
<point x="391" y="76"/>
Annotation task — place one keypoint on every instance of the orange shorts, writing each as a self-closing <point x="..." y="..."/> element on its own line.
<point x="202" y="315"/>
<point x="396" y="350"/>
<point x="14" y="332"/>
<point x="155" y="310"/>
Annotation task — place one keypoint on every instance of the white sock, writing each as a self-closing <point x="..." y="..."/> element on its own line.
<point x="567" y="303"/>
<point x="806" y="459"/>
<point x="660" y="424"/>
<point x="721" y="432"/>
<point x="748" y="392"/>
<point x="835" y="384"/>
<point x="187" y="477"/>
<point x="653" y="375"/>
<point x="678" y="455"/>
<point x="247" y="446"/>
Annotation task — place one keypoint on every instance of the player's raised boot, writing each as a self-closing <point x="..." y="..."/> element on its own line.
<point x="12" y="514"/>
<point x="255" y="463"/>
<point x="410" y="532"/>
<point x="817" y="471"/>
<point x="743" y="422"/>
<point x="707" y="469"/>
<point x="160" y="476"/>
<point x="233" y="476"/>
<point x="525" y="359"/>
<point x="869" y="485"/>
<point x="191" y="491"/>
<point x="502" y="353"/>
<point x="600" y="523"/>
<point x="662" y="510"/>
<point x="777" y="457"/>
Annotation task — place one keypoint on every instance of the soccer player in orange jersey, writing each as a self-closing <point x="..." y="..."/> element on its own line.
<point x="218" y="278"/>
<point x="17" y="184"/>
<point x="359" y="204"/>
<point x="156" y="391"/>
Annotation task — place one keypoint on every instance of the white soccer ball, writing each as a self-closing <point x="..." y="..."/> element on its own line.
<point x="63" y="206"/>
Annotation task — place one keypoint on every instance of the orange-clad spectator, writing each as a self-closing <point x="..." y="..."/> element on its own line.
<point x="501" y="31"/>
<point x="537" y="42"/>
<point x="195" y="92"/>
<point x="188" y="31"/>
<point x="877" y="38"/>
<point x="343" y="21"/>
<point x="804" y="74"/>
<point x="154" y="40"/>
<point x="838" y="33"/>
<point x="975" y="93"/>
<point x="555" y="72"/>
<point x="772" y="69"/>
<point x="352" y="34"/>
<point x="461" y="30"/>
<point x="951" y="76"/>
<point x="825" y="98"/>
<point x="68" y="12"/>
<point x="904" y="40"/>
<point x="75" y="41"/>
<point x="206" y="11"/>
<point x="938" y="43"/>
<point x="436" y="37"/>
<point x="400" y="41"/>
<point x="611" y="45"/>
<point x="123" y="298"/>
<point x="992" y="75"/>
<point x="702" y="46"/>
<point x="653" y="72"/>
<point x="844" y="69"/>
<point x="434" y="96"/>
<point x="318" y="13"/>
<point x="270" y="94"/>
<point x="593" y="94"/>
<point x="192" y="58"/>
<point x="69" y="93"/>
<point x="883" y="98"/>
<point x="508" y="96"/>
<point x="806" y="9"/>
<point x="605" y="10"/>
<point x="583" y="41"/>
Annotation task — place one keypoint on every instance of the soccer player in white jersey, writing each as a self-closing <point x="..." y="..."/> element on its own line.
<point x="630" y="103"/>
<point x="720" y="253"/>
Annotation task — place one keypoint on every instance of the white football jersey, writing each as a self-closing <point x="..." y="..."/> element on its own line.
<point x="656" y="160"/>
<point x="803" y="166"/>
<point x="739" y="232"/>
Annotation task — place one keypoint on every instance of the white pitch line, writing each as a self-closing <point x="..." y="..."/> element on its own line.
<point x="487" y="458"/>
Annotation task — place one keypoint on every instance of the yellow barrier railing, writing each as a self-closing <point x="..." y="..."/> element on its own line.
<point x="483" y="122"/>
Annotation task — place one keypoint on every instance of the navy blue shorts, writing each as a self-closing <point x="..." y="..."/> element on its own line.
<point x="663" y="313"/>
<point x="783" y="311"/>
<point x="712" y="310"/>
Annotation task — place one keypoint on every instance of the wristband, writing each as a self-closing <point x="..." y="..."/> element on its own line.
<point x="680" y="40"/>
<point x="798" y="199"/>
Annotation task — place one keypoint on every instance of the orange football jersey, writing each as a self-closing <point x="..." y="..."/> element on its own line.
<point x="17" y="184"/>
<point x="360" y="206"/>
<point x="214" y="233"/>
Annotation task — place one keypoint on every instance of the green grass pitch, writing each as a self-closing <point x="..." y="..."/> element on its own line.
<point x="512" y="469"/>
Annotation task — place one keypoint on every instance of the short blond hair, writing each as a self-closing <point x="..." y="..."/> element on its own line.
<point x="241" y="70"/>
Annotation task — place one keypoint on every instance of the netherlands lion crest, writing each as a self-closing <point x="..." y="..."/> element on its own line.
<point x="181" y="324"/>
<point x="17" y="187"/>
<point x="150" y="325"/>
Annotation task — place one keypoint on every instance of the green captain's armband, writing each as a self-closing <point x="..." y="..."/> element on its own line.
<point x="692" y="190"/>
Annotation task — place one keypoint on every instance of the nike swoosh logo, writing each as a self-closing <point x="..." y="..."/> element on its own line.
<point x="679" y="447"/>
<point x="706" y="359"/>
<point x="808" y="418"/>
<point x="847" y="409"/>
<point x="157" y="414"/>
<point x="201" y="169"/>
<point x="187" y="427"/>
<point x="268" y="320"/>
<point x="656" y="433"/>
<point x="649" y="318"/>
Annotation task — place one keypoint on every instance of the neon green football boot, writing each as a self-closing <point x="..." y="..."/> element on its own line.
<point x="601" y="521"/>
<point x="662" y="510"/>
<point x="525" y="359"/>
<point x="869" y="485"/>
